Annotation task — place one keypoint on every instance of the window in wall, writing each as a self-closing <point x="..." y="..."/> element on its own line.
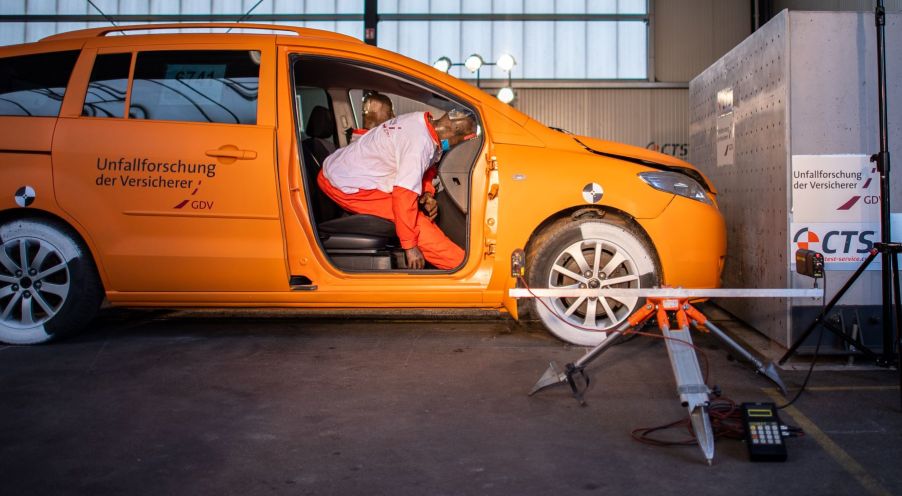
<point x="198" y="86"/>
<point x="325" y="7"/>
<point x="34" y="85"/>
<point x="513" y="6"/>
<point x="544" y="49"/>
<point x="108" y="86"/>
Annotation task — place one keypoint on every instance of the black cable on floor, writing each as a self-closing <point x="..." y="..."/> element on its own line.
<point x="817" y="349"/>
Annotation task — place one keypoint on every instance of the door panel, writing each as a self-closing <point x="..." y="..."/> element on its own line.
<point x="165" y="215"/>
<point x="174" y="205"/>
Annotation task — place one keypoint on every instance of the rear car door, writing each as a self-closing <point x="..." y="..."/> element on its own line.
<point x="167" y="159"/>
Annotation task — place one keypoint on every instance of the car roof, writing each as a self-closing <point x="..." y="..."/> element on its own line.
<point x="281" y="35"/>
<point x="270" y="30"/>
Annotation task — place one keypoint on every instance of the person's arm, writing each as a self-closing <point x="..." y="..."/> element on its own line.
<point x="413" y="157"/>
<point x="428" y="178"/>
<point x="427" y="199"/>
<point x="405" y="210"/>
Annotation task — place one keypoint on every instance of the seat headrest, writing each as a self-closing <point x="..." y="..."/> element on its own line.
<point x="320" y="124"/>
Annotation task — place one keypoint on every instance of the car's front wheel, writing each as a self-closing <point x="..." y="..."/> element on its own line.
<point x="589" y="253"/>
<point x="48" y="283"/>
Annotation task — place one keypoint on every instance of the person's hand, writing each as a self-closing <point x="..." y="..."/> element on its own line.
<point x="429" y="205"/>
<point x="415" y="258"/>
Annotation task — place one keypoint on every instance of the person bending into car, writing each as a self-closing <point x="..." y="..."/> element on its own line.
<point x="388" y="173"/>
<point x="377" y="108"/>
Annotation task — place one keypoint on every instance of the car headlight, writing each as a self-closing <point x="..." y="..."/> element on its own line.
<point x="678" y="184"/>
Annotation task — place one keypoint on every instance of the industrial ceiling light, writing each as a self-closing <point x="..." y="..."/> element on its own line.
<point x="506" y="94"/>
<point x="506" y="62"/>
<point x="473" y="62"/>
<point x="442" y="64"/>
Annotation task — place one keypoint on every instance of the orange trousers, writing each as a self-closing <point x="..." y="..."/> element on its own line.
<point x="437" y="248"/>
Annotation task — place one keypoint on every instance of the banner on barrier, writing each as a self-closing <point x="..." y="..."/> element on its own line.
<point x="835" y="209"/>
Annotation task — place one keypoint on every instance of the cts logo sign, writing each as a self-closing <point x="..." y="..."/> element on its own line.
<point x="836" y="242"/>
<point x="804" y="238"/>
<point x="678" y="150"/>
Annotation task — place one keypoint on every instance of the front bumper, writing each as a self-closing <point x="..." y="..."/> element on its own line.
<point x="691" y="240"/>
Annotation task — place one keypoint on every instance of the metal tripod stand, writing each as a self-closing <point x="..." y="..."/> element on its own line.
<point x="690" y="382"/>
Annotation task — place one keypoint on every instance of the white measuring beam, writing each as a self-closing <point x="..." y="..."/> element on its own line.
<point x="666" y="293"/>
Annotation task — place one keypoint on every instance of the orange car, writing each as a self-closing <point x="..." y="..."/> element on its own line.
<point x="179" y="169"/>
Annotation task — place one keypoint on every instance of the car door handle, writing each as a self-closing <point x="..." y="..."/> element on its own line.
<point x="229" y="151"/>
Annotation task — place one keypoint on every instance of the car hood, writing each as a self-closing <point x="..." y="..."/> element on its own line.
<point x="643" y="157"/>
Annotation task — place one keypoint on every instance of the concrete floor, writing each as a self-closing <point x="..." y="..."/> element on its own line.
<point x="156" y="402"/>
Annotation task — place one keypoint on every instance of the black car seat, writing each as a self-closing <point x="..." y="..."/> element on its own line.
<point x="339" y="231"/>
<point x="317" y="147"/>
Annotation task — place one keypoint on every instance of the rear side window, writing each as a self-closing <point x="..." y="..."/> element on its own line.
<point x="34" y="85"/>
<point x="196" y="86"/>
<point x="108" y="86"/>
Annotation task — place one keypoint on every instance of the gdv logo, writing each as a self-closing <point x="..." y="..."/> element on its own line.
<point x="836" y="241"/>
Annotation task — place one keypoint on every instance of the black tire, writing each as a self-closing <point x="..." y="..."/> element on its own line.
<point x="564" y="255"/>
<point x="49" y="287"/>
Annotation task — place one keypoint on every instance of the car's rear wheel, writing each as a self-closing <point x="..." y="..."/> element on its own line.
<point x="589" y="253"/>
<point x="48" y="283"/>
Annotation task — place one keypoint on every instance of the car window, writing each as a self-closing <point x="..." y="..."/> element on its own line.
<point x="356" y="97"/>
<point x="407" y="95"/>
<point x="217" y="86"/>
<point x="108" y="85"/>
<point x="404" y="105"/>
<point x="34" y="85"/>
<point x="308" y="99"/>
<point x="400" y="105"/>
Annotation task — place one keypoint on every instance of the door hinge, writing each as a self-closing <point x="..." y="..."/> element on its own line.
<point x="492" y="172"/>
<point x="493" y="191"/>
<point x="492" y="164"/>
<point x="489" y="247"/>
<point x="301" y="283"/>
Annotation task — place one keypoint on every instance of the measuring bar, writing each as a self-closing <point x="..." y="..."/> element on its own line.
<point x="665" y="293"/>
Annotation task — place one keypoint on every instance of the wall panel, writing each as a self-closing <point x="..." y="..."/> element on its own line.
<point x="691" y="34"/>
<point x="641" y="117"/>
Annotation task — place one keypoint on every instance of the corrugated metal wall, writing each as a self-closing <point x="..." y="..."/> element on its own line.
<point x="642" y="117"/>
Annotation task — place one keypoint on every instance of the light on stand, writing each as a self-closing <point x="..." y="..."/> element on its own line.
<point x="506" y="94"/>
<point x="473" y="62"/>
<point x="506" y="62"/>
<point x="442" y="64"/>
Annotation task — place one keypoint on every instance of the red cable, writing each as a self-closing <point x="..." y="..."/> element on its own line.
<point x="726" y="418"/>
<point x="727" y="424"/>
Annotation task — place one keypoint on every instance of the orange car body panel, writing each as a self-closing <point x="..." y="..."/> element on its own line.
<point x="243" y="251"/>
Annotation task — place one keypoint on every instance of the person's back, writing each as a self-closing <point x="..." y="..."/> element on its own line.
<point x="389" y="173"/>
<point x="395" y="153"/>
